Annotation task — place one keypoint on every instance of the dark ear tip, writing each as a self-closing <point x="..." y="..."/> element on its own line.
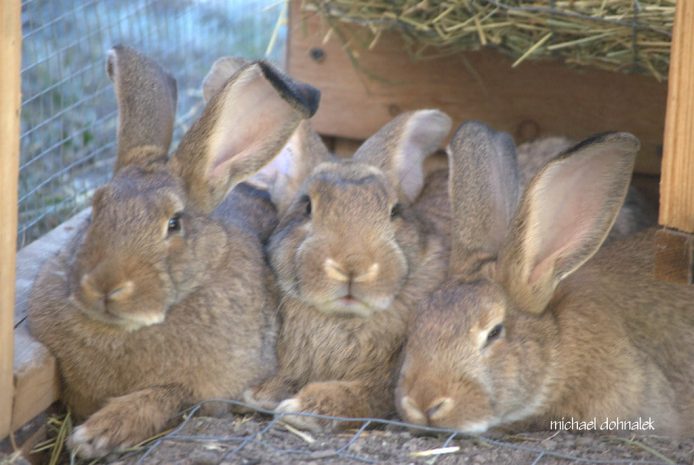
<point x="311" y="98"/>
<point x="299" y="93"/>
<point x="627" y="141"/>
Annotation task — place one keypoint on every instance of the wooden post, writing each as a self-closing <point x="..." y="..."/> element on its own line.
<point x="675" y="243"/>
<point x="10" y="101"/>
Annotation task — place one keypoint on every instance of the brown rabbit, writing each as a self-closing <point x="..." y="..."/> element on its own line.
<point x="528" y="331"/>
<point x="160" y="301"/>
<point x="352" y="258"/>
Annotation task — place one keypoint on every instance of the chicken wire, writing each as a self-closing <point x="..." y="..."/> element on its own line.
<point x="68" y="118"/>
<point x="370" y="442"/>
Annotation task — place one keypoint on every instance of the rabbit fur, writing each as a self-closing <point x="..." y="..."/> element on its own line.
<point x="530" y="329"/>
<point x="162" y="299"/>
<point x="352" y="256"/>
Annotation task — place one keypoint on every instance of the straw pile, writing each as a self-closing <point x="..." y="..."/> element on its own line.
<point x="618" y="35"/>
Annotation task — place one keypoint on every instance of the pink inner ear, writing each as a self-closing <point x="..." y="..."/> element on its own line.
<point x="569" y="206"/>
<point x="284" y="164"/>
<point x="252" y="115"/>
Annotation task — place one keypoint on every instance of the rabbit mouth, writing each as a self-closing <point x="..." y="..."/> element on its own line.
<point x="351" y="306"/>
<point x="129" y="322"/>
<point x="475" y="427"/>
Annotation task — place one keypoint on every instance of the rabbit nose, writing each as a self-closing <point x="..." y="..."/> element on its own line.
<point x="105" y="294"/>
<point x="411" y="411"/>
<point x="436" y="411"/>
<point x="439" y="409"/>
<point x="89" y="288"/>
<point x="337" y="272"/>
<point x="121" y="291"/>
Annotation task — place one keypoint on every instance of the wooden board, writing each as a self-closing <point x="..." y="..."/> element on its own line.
<point x="345" y="147"/>
<point x="677" y="184"/>
<point x="37" y="383"/>
<point x="675" y="243"/>
<point x="674" y="256"/>
<point x="10" y="57"/>
<point x="536" y="98"/>
<point x="36" y="380"/>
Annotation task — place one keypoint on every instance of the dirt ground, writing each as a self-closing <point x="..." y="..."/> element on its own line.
<point x="256" y="440"/>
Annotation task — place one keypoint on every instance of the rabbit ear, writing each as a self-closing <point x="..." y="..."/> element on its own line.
<point x="483" y="188"/>
<point x="400" y="147"/>
<point x="146" y="96"/>
<point x="565" y="215"/>
<point x="219" y="74"/>
<point x="284" y="176"/>
<point x="244" y="126"/>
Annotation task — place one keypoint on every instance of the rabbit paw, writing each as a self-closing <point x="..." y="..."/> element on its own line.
<point x="101" y="435"/>
<point x="256" y="400"/>
<point x="307" y="423"/>
<point x="330" y="398"/>
<point x="121" y="423"/>
<point x="268" y="394"/>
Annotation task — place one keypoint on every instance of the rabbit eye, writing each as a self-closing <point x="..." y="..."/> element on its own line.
<point x="307" y="200"/>
<point x="174" y="225"/>
<point x="495" y="333"/>
<point x="396" y="211"/>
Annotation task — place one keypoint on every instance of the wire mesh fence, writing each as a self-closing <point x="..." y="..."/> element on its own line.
<point x="261" y="438"/>
<point x="68" y="117"/>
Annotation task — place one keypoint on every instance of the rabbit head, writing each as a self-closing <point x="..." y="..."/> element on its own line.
<point x="481" y="352"/>
<point x="346" y="243"/>
<point x="150" y="239"/>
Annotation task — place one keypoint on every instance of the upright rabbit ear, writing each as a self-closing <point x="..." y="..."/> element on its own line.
<point x="244" y="126"/>
<point x="284" y="176"/>
<point x="400" y="147"/>
<point x="146" y="96"/>
<point x="483" y="188"/>
<point x="566" y="212"/>
<point x="222" y="69"/>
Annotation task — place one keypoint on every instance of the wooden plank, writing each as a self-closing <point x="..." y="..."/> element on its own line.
<point x="36" y="377"/>
<point x="345" y="147"/>
<point x="10" y="100"/>
<point x="537" y="98"/>
<point x="674" y="256"/>
<point x="677" y="183"/>
<point x="37" y="383"/>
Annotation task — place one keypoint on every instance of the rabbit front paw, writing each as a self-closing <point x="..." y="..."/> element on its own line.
<point x="292" y="410"/>
<point x="330" y="398"/>
<point x="102" y="434"/>
<point x="125" y="421"/>
<point x="256" y="401"/>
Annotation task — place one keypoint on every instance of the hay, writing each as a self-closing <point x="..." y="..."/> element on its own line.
<point x="617" y="35"/>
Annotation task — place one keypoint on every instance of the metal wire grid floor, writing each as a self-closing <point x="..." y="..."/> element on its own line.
<point x="444" y="446"/>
